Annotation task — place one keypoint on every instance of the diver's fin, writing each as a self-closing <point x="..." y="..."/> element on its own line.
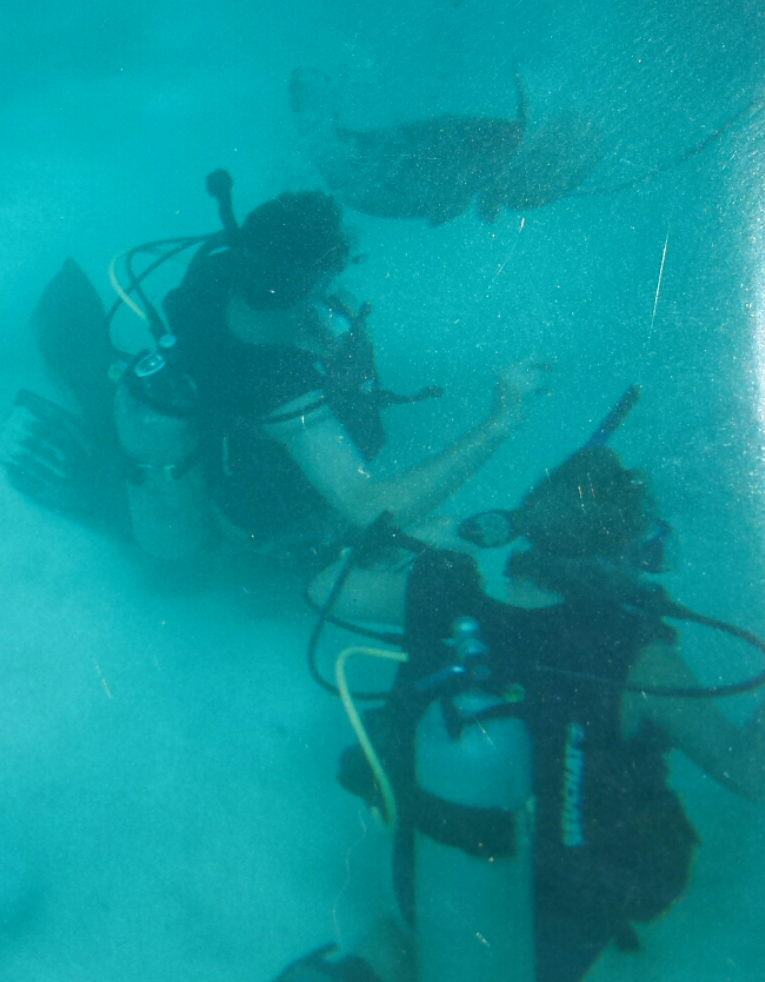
<point x="45" y="452"/>
<point x="48" y="455"/>
<point x="70" y="327"/>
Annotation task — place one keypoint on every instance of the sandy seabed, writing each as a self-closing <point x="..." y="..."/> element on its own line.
<point x="169" y="808"/>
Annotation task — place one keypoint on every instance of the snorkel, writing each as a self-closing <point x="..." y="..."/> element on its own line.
<point x="219" y="185"/>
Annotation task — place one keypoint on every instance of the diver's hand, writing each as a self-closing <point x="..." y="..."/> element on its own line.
<point x="514" y="385"/>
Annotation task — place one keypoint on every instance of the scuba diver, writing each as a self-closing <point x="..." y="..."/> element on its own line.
<point x="520" y="753"/>
<point x="257" y="409"/>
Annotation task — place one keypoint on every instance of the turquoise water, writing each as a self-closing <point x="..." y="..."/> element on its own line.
<point x="169" y="808"/>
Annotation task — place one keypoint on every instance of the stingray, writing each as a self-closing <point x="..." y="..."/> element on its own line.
<point x="434" y="169"/>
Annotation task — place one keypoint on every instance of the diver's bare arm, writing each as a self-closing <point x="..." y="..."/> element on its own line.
<point x="330" y="462"/>
<point x="733" y="755"/>
<point x="324" y="452"/>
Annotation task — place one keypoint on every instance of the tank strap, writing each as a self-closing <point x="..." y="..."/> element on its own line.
<point x="455" y="720"/>
<point x="487" y="833"/>
<point x="135" y="472"/>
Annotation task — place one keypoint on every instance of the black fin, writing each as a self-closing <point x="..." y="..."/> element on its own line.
<point x="48" y="455"/>
<point x="69" y="325"/>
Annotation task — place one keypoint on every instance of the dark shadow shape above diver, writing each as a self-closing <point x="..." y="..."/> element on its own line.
<point x="435" y="168"/>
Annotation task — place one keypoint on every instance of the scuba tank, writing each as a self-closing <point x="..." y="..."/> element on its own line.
<point x="473" y="849"/>
<point x="157" y="417"/>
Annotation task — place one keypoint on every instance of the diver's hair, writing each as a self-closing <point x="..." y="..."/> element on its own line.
<point x="589" y="506"/>
<point x="285" y="246"/>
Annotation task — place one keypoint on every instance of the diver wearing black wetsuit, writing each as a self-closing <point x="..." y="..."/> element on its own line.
<point x="618" y="849"/>
<point x="574" y="642"/>
<point x="252" y="397"/>
<point x="290" y="408"/>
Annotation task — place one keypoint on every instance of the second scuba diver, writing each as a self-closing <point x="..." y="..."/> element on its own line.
<point x="542" y="683"/>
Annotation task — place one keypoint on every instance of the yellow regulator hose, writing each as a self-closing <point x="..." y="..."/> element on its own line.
<point x="390" y="815"/>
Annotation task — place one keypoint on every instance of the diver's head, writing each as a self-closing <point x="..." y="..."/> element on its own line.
<point x="591" y="505"/>
<point x="589" y="524"/>
<point x="590" y="521"/>
<point x="286" y="248"/>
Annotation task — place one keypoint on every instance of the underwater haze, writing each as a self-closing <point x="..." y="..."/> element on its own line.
<point x="168" y="802"/>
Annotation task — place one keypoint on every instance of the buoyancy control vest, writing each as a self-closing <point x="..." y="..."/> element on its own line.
<point x="254" y="480"/>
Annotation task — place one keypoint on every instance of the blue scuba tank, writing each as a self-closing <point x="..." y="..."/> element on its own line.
<point x="473" y="891"/>
<point x="157" y="419"/>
